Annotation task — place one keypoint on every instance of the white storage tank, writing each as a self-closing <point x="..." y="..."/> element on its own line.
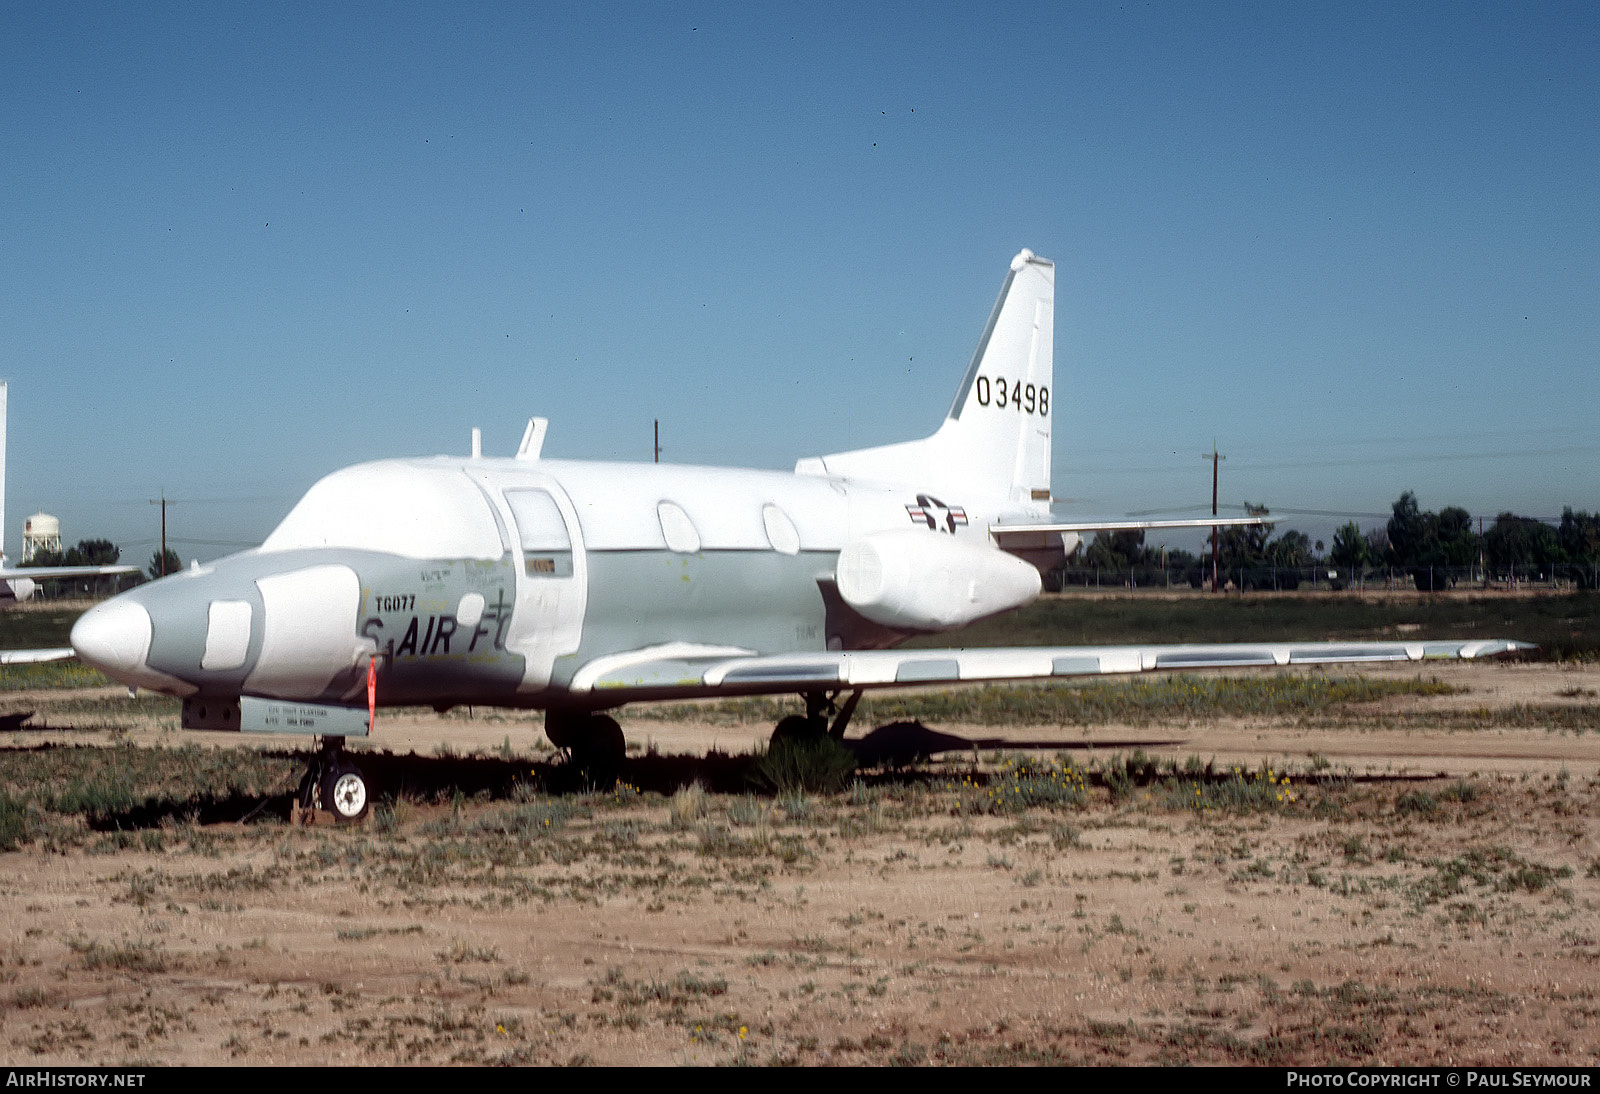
<point x="40" y="532"/>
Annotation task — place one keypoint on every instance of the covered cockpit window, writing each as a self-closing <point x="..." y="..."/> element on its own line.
<point x="409" y="509"/>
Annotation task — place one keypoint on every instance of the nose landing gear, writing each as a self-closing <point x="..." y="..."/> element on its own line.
<point x="333" y="782"/>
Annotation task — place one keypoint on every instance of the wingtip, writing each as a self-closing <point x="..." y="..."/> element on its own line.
<point x="1506" y="647"/>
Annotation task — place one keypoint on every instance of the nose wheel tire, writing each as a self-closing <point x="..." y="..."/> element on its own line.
<point x="345" y="794"/>
<point x="333" y="783"/>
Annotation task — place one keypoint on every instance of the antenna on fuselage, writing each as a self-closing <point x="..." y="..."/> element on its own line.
<point x="533" y="439"/>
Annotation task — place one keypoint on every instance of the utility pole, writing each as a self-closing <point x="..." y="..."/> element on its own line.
<point x="1215" y="457"/>
<point x="163" y="504"/>
<point x="658" y="440"/>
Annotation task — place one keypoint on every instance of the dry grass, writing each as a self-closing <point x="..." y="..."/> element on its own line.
<point x="1020" y="910"/>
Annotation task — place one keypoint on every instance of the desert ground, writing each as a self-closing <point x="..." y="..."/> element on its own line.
<point x="1407" y="880"/>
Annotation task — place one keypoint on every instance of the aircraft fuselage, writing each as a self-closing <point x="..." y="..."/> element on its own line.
<point x="498" y="581"/>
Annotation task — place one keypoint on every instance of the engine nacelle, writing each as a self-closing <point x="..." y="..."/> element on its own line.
<point x="920" y="581"/>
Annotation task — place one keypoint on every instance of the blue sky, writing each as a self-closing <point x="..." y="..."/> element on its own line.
<point x="1355" y="246"/>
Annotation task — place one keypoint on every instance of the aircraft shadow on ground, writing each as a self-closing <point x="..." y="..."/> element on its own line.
<point x="888" y="754"/>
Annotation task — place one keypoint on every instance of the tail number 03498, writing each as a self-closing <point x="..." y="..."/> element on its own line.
<point x="1021" y="397"/>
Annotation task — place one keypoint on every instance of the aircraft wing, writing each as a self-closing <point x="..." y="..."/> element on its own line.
<point x="666" y="672"/>
<point x="1130" y="525"/>
<point x="41" y="573"/>
<point x="33" y="657"/>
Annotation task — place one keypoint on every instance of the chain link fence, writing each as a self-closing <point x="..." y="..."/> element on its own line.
<point x="1556" y="576"/>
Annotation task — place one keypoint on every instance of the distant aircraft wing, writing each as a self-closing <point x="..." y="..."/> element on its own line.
<point x="699" y="673"/>
<point x="33" y="657"/>
<point x="41" y="573"/>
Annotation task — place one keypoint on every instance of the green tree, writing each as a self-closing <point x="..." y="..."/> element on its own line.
<point x="1116" y="550"/>
<point x="1428" y="544"/>
<point x="171" y="564"/>
<point x="1179" y="559"/>
<point x="1457" y="540"/>
<point x="1292" y="549"/>
<point x="1579" y="536"/>
<point x="93" y="552"/>
<point x="1350" y="549"/>
<point x="1520" y="543"/>
<point x="1413" y="536"/>
<point x="1242" y="544"/>
<point x="1377" y="545"/>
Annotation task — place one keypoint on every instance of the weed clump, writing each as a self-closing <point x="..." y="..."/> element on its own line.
<point x="1417" y="803"/>
<point x="533" y="818"/>
<point x="1122" y="775"/>
<point x="688" y="805"/>
<point x="1022" y="782"/>
<point x="1496" y="869"/>
<point x="1238" y="791"/>
<point x="681" y="990"/>
<point x="13" y="822"/>
<point x="122" y="957"/>
<point x="811" y="765"/>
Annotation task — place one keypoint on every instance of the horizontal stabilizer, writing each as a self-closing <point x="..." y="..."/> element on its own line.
<point x="1130" y="525"/>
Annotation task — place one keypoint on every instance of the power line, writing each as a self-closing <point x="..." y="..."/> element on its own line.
<point x="257" y="500"/>
<point x="1351" y="461"/>
<point x="241" y="544"/>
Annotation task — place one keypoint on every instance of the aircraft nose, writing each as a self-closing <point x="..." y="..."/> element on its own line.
<point x="114" y="637"/>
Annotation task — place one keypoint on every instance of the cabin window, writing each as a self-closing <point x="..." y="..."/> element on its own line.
<point x="677" y="529"/>
<point x="546" y="544"/>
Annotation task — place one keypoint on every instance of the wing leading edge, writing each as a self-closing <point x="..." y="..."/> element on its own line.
<point x="664" y="672"/>
<point x="33" y="657"/>
<point x="46" y="573"/>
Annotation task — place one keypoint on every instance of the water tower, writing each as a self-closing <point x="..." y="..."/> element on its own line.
<point x="40" y="532"/>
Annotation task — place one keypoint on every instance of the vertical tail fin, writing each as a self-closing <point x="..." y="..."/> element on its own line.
<point x="995" y="442"/>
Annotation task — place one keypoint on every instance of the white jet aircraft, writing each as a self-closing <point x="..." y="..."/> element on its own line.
<point x="577" y="587"/>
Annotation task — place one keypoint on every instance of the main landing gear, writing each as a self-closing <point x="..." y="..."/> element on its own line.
<point x="815" y="723"/>
<point x="333" y="782"/>
<point x="593" y="742"/>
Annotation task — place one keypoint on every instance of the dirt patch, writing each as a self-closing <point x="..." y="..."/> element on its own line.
<point x="960" y="913"/>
